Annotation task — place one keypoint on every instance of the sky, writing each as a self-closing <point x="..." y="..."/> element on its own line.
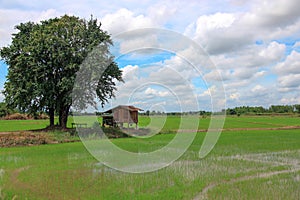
<point x="252" y="49"/>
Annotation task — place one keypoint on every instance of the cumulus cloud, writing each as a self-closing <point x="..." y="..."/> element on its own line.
<point x="9" y="18"/>
<point x="289" y="101"/>
<point x="291" y="65"/>
<point x="258" y="89"/>
<point x="151" y="91"/>
<point x="216" y="32"/>
<point x="137" y="42"/>
<point x="234" y="96"/>
<point x="125" y="20"/>
<point x="245" y="41"/>
<point x="273" y="52"/>
<point x="225" y="32"/>
<point x="130" y="72"/>
<point x="288" y="72"/>
<point x="248" y="65"/>
<point x="289" y="82"/>
<point x="209" y="92"/>
<point x="273" y="14"/>
<point x="155" y="84"/>
<point x="160" y="13"/>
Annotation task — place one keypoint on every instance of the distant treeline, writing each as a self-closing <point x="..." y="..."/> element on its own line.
<point x="275" y="109"/>
<point x="242" y="110"/>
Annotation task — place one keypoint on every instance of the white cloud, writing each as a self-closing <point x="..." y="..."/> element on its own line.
<point x="290" y="65"/>
<point x="260" y="74"/>
<point x="289" y="82"/>
<point x="209" y="92"/>
<point x="125" y="20"/>
<point x="224" y="32"/>
<point x="288" y="72"/>
<point x="137" y="42"/>
<point x="161" y="13"/>
<point x="289" y="101"/>
<point x="151" y="91"/>
<point x="234" y="96"/>
<point x="242" y="38"/>
<point x="273" y="52"/>
<point x="213" y="22"/>
<point x="274" y="13"/>
<point x="9" y="18"/>
<point x="130" y="72"/>
<point x="258" y="89"/>
<point x="216" y="32"/>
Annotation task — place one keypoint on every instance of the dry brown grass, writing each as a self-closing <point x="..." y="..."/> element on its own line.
<point x="18" y="116"/>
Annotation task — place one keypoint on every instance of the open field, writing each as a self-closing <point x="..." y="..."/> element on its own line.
<point x="245" y="164"/>
<point x="172" y="122"/>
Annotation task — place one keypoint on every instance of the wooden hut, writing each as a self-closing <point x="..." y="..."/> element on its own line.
<point x="119" y="115"/>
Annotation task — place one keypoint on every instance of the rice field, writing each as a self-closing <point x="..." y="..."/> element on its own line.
<point x="245" y="164"/>
<point x="171" y="122"/>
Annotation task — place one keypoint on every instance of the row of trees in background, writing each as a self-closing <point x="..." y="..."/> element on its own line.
<point x="279" y="109"/>
<point x="242" y="110"/>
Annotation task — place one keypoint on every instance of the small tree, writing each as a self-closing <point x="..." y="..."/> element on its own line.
<point x="43" y="61"/>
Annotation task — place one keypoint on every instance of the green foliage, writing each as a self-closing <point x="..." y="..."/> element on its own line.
<point x="261" y="110"/>
<point x="4" y="110"/>
<point x="281" y="108"/>
<point x="297" y="108"/>
<point x="43" y="61"/>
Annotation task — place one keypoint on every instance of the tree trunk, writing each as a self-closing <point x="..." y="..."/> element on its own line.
<point x="51" y="116"/>
<point x="63" y="116"/>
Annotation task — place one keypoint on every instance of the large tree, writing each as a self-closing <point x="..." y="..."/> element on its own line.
<point x="44" y="58"/>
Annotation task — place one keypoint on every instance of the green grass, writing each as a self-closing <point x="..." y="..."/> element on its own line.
<point x="171" y="122"/>
<point x="230" y="171"/>
<point x="22" y="125"/>
<point x="261" y="121"/>
<point x="68" y="171"/>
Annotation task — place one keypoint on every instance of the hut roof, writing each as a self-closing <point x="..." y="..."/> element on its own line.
<point x="125" y="107"/>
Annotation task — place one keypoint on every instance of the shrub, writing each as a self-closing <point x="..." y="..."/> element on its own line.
<point x="42" y="116"/>
<point x="17" y="116"/>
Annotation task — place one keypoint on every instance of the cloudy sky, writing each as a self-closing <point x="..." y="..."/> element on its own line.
<point x="254" y="45"/>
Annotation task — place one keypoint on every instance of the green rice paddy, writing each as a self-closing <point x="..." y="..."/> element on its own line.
<point x="245" y="164"/>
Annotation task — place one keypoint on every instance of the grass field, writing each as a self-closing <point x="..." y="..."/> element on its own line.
<point x="245" y="164"/>
<point x="172" y="123"/>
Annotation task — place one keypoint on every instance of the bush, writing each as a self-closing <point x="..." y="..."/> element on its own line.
<point x="17" y="116"/>
<point x="42" y="116"/>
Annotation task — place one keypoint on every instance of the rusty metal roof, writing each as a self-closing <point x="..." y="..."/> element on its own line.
<point x="125" y="107"/>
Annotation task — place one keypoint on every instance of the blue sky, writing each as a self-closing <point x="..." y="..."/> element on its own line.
<point x="3" y="73"/>
<point x="254" y="45"/>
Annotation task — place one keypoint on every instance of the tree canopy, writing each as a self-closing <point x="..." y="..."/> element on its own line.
<point x="44" y="58"/>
